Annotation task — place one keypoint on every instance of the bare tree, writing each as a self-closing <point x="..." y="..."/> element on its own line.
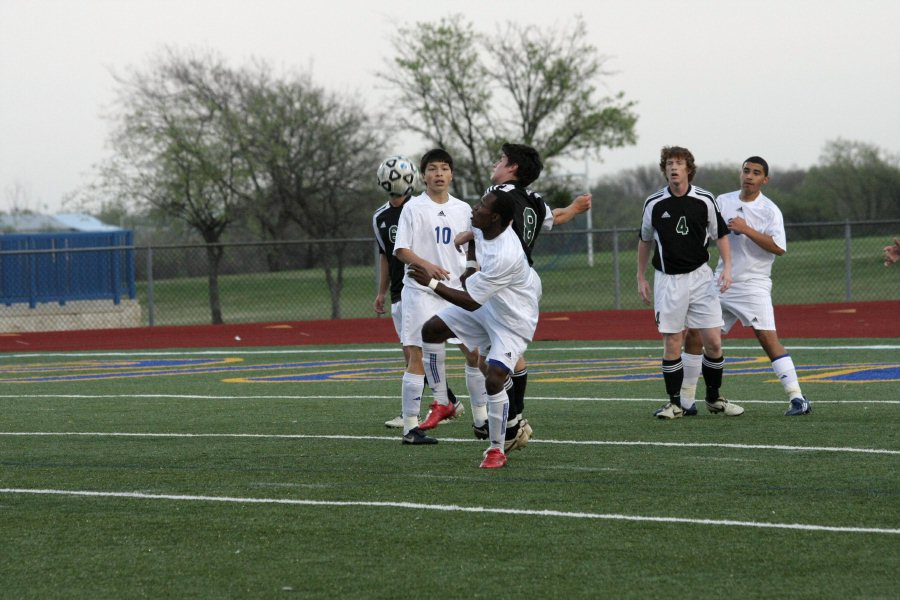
<point x="468" y="92"/>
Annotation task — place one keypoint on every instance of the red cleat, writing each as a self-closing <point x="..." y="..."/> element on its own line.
<point x="438" y="413"/>
<point x="493" y="459"/>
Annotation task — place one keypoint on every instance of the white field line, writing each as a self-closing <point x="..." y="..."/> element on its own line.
<point x="452" y="508"/>
<point x="396" y="350"/>
<point x="389" y="397"/>
<point x="394" y="438"/>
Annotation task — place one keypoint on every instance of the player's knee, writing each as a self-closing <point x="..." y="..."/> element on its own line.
<point x="435" y="331"/>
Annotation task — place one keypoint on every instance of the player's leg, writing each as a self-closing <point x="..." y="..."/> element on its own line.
<point x="434" y="333"/>
<point x="396" y="317"/>
<point x="497" y="383"/>
<point x="671" y="298"/>
<point x="783" y="365"/>
<point x="413" y="384"/>
<point x="705" y="314"/>
<point x="691" y="359"/>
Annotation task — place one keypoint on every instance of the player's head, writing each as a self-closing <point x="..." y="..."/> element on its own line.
<point x="758" y="160"/>
<point x="519" y="163"/>
<point x="438" y="155"/>
<point x="677" y="153"/>
<point x="496" y="207"/>
<point x="754" y="175"/>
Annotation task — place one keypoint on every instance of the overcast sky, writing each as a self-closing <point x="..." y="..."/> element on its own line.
<point x="725" y="78"/>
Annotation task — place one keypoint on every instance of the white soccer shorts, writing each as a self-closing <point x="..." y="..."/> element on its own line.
<point x="397" y="317"/>
<point x="749" y="302"/>
<point x="686" y="300"/>
<point x="418" y="307"/>
<point x="480" y="329"/>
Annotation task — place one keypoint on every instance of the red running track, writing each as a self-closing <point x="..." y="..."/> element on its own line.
<point x="838" y="320"/>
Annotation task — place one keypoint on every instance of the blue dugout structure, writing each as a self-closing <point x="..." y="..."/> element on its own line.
<point x="62" y="267"/>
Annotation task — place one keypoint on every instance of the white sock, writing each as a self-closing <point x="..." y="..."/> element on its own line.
<point x="434" y="359"/>
<point x="691" y="363"/>
<point x="787" y="375"/>
<point x="498" y="409"/>
<point x="411" y="393"/>
<point x="477" y="395"/>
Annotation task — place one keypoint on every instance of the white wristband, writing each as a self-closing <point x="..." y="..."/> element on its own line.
<point x="433" y="284"/>
<point x="471" y="264"/>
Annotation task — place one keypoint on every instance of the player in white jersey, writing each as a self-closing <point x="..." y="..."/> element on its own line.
<point x="757" y="237"/>
<point x="425" y="233"/>
<point x="496" y="313"/>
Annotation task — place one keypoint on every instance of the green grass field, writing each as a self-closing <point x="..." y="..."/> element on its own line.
<point x="269" y="473"/>
<point x="811" y="272"/>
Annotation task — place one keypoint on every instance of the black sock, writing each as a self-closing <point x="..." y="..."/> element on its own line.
<point x="673" y="375"/>
<point x="712" y="370"/>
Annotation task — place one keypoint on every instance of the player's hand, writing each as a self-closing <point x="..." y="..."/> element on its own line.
<point x="462" y="239"/>
<point x="644" y="290"/>
<point x="379" y="304"/>
<point x="738" y="225"/>
<point x="725" y="280"/>
<point x="582" y="203"/>
<point x="419" y="274"/>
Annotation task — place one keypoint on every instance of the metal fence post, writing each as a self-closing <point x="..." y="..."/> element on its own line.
<point x="616" y="277"/>
<point x="149" y="285"/>
<point x="848" y="254"/>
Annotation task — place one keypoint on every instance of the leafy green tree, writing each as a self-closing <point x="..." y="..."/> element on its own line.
<point x="854" y="180"/>
<point x="469" y="92"/>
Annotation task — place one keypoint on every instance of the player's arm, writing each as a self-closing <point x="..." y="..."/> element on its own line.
<point x="408" y="257"/>
<point x="643" y="252"/>
<point x="579" y="205"/>
<point x="724" y="247"/>
<point x="460" y="298"/>
<point x="763" y="240"/>
<point x="383" y="281"/>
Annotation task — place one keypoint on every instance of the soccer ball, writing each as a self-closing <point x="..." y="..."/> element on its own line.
<point x="397" y="176"/>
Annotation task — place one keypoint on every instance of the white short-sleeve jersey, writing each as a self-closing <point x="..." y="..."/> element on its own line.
<point x="428" y="228"/>
<point x="748" y="260"/>
<point x="505" y="283"/>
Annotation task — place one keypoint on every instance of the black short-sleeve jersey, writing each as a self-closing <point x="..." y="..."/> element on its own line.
<point x="681" y="227"/>
<point x="384" y="223"/>
<point x="528" y="218"/>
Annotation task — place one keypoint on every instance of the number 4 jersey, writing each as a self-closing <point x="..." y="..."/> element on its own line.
<point x="427" y="229"/>
<point x="681" y="228"/>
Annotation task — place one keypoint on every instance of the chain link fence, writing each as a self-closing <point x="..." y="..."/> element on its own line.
<point x="582" y="269"/>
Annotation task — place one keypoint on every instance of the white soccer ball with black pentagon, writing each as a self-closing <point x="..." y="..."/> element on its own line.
<point x="398" y="176"/>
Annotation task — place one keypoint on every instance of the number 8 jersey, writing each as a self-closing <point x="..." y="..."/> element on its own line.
<point x="428" y="228"/>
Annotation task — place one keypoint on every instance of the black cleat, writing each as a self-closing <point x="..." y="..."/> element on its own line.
<point x="417" y="437"/>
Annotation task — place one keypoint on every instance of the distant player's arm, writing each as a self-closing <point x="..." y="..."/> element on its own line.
<point x="724" y="247"/>
<point x="383" y="281"/>
<point x="763" y="240"/>
<point x="460" y="298"/>
<point x="579" y="205"/>
<point x="643" y="252"/>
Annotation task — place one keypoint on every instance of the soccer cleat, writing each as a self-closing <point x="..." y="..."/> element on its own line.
<point x="459" y="409"/>
<point x="690" y="412"/>
<point x="417" y="437"/>
<point x="395" y="423"/>
<point x="669" y="411"/>
<point x="723" y="406"/>
<point x="522" y="436"/>
<point x="493" y="459"/>
<point x="438" y="413"/>
<point x="481" y="432"/>
<point x="799" y="406"/>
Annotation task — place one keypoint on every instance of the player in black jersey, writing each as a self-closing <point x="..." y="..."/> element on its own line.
<point x="519" y="166"/>
<point x="678" y="222"/>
